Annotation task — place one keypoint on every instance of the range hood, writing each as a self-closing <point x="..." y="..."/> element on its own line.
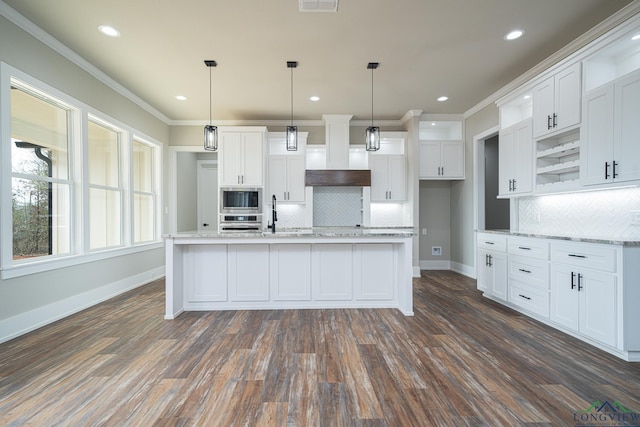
<point x="337" y="172"/>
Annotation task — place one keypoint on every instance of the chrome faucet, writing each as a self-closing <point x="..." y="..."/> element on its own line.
<point x="274" y="214"/>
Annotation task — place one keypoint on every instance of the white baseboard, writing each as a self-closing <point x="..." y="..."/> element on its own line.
<point x="416" y="271"/>
<point x="26" y="322"/>
<point x="435" y="265"/>
<point x="465" y="270"/>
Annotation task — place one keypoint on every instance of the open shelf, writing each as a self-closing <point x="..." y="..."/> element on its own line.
<point x="558" y="162"/>
<point x="560" y="168"/>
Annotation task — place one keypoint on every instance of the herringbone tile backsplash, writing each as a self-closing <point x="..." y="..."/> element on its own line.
<point x="337" y="206"/>
<point x="606" y="214"/>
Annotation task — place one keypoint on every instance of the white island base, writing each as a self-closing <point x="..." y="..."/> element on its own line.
<point x="288" y="271"/>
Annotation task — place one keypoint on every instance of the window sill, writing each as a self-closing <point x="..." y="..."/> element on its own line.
<point x="72" y="260"/>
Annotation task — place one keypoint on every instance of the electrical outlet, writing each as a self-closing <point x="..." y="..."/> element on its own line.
<point x="436" y="250"/>
<point x="424" y="231"/>
<point x="635" y="217"/>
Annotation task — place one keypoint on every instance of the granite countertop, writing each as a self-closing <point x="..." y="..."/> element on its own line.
<point x="305" y="232"/>
<point x="569" y="238"/>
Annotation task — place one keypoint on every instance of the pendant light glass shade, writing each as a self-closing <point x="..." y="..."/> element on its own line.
<point x="372" y="134"/>
<point x="210" y="138"/>
<point x="292" y="138"/>
<point x="292" y="131"/>
<point x="210" y="131"/>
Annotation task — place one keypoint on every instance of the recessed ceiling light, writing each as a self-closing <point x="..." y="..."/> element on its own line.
<point x="315" y="98"/>
<point x="433" y="124"/>
<point x="527" y="96"/>
<point x="109" y="31"/>
<point x="443" y="98"/>
<point x="181" y="98"/>
<point x="515" y="34"/>
<point x="636" y="37"/>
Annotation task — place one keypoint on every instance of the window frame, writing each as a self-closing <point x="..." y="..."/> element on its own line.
<point x="80" y="114"/>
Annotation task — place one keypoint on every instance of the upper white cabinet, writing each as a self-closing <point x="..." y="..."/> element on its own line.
<point x="388" y="177"/>
<point x="286" y="177"/>
<point x="515" y="176"/>
<point x="611" y="146"/>
<point x="556" y="102"/>
<point x="441" y="150"/>
<point x="241" y="153"/>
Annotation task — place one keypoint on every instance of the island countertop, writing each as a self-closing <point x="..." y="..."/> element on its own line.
<point x="301" y="232"/>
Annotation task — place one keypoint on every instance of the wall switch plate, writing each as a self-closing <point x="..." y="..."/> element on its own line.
<point x="635" y="217"/>
<point x="436" y="250"/>
<point x="424" y="231"/>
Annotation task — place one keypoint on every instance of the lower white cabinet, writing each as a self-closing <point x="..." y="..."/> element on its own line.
<point x="291" y="272"/>
<point x="372" y="269"/>
<point x="248" y="267"/>
<point x="205" y="273"/>
<point x="331" y="280"/>
<point x="492" y="273"/>
<point x="585" y="301"/>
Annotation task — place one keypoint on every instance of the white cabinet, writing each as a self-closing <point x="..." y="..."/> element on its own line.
<point x="241" y="155"/>
<point x="290" y="272"/>
<point x="248" y="272"/>
<point x="556" y="101"/>
<point x="529" y="274"/>
<point x="332" y="279"/>
<point x="388" y="178"/>
<point x="611" y="147"/>
<point x="492" y="265"/>
<point x="205" y="273"/>
<point x="584" y="291"/>
<point x="515" y="175"/>
<point x="373" y="272"/>
<point x="441" y="160"/>
<point x="286" y="177"/>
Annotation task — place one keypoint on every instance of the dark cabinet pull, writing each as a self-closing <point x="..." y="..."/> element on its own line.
<point x="577" y="256"/>
<point x="548" y="122"/>
<point x="514" y="185"/>
<point x="555" y="120"/>
<point x="580" y="282"/>
<point x="606" y="170"/>
<point x="573" y="275"/>
<point x="490" y="243"/>
<point x="490" y="261"/>
<point x="525" y="271"/>
<point x="615" y="174"/>
<point x="524" y="248"/>
<point x="524" y="296"/>
<point x="205" y="225"/>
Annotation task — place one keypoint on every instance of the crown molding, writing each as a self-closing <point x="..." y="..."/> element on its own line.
<point x="624" y="14"/>
<point x="46" y="38"/>
<point x="303" y="123"/>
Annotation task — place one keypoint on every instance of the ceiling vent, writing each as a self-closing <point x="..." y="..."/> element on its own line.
<point x="318" y="5"/>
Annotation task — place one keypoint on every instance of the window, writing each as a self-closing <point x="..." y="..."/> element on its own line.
<point x="144" y="192"/>
<point x="105" y="192"/>
<point x="40" y="184"/>
<point x="76" y="185"/>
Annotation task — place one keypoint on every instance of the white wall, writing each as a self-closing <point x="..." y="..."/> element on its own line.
<point x="30" y="301"/>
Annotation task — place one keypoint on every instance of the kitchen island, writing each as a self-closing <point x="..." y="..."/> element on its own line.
<point x="302" y="268"/>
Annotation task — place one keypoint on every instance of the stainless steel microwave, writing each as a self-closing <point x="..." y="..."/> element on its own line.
<point x="241" y="200"/>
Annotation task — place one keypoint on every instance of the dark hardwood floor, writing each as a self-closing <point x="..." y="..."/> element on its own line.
<point x="462" y="360"/>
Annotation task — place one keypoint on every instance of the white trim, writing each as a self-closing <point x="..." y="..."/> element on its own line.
<point x="46" y="38"/>
<point x="416" y="271"/>
<point x="26" y="322"/>
<point x="299" y="123"/>
<point x="465" y="270"/>
<point x="435" y="265"/>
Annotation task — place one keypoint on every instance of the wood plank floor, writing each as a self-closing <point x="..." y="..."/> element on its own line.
<point x="462" y="360"/>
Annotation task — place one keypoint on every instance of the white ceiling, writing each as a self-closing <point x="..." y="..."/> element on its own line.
<point x="426" y="48"/>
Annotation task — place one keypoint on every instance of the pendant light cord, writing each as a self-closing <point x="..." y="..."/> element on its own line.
<point x="372" y="96"/>
<point x="291" y="96"/>
<point x="210" y="94"/>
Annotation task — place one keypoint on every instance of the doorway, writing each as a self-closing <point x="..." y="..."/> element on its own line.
<point x="496" y="211"/>
<point x="207" y="177"/>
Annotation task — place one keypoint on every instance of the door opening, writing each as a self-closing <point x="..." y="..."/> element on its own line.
<point x="496" y="211"/>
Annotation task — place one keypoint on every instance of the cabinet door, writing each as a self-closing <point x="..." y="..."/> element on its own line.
<point x="627" y="128"/>
<point x="205" y="273"/>
<point x="499" y="268"/>
<point x="248" y="270"/>
<point x="483" y="271"/>
<point x="295" y="178"/>
<point x="333" y="279"/>
<point x="564" y="297"/>
<point x="543" y="99"/>
<point x="506" y="154"/>
<point x="379" y="178"/>
<point x="397" y="178"/>
<point x="291" y="272"/>
<point x="430" y="156"/>
<point x="522" y="161"/>
<point x="231" y="157"/>
<point x="252" y="158"/>
<point x="597" y="136"/>
<point x="598" y="306"/>
<point x="453" y="159"/>
<point x="568" y="90"/>
<point x="278" y="177"/>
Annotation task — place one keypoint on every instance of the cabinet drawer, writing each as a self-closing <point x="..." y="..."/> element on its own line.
<point x="586" y="255"/>
<point x="494" y="242"/>
<point x="531" y="271"/>
<point x="534" y="248"/>
<point x="532" y="299"/>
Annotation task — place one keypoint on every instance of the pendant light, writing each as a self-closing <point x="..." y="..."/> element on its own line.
<point x="210" y="131"/>
<point x="372" y="134"/>
<point x="292" y="131"/>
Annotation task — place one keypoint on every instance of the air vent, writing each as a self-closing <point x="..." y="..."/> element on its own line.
<point x="318" y="5"/>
